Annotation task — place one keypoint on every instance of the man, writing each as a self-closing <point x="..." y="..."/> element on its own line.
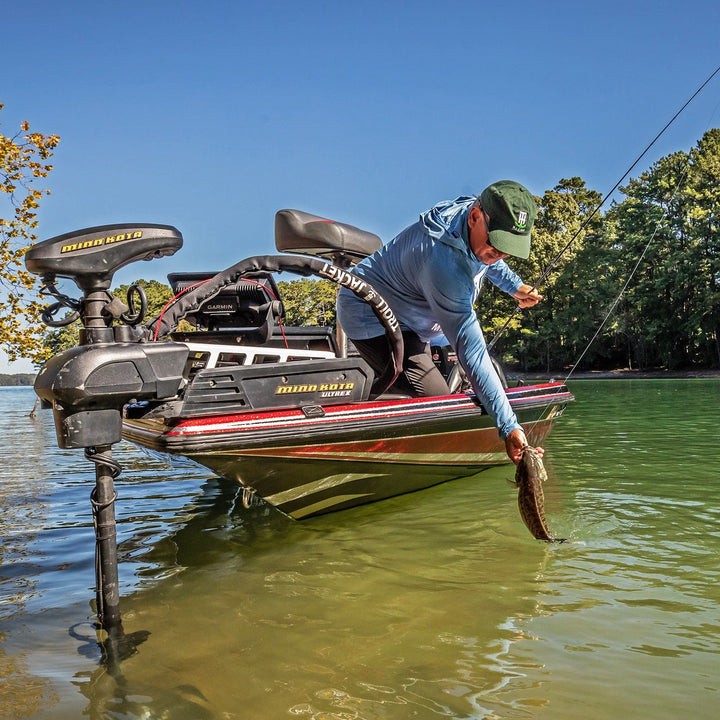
<point x="430" y="274"/>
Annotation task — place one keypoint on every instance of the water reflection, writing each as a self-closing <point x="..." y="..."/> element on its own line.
<point x="46" y="555"/>
<point x="109" y="693"/>
<point x="638" y="591"/>
<point x="23" y="510"/>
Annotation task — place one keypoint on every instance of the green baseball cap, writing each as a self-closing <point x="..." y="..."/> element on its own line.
<point x="512" y="210"/>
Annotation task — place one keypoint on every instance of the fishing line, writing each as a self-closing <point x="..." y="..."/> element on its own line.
<point x="607" y="195"/>
<point x="642" y="254"/>
<point x="631" y="275"/>
<point x="622" y="290"/>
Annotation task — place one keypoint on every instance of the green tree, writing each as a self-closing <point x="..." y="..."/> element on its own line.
<point x="542" y="338"/>
<point x="308" y="301"/>
<point x="703" y="192"/>
<point x="158" y="294"/>
<point x="23" y="161"/>
<point x="640" y="287"/>
<point x="670" y="219"/>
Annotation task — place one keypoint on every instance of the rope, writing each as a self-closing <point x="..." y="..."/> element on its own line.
<point x="102" y="459"/>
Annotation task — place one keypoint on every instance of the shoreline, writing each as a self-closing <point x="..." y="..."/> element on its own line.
<point x="620" y="374"/>
<point x="511" y="375"/>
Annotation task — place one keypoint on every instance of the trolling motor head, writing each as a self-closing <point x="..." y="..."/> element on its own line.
<point x="88" y="385"/>
<point x="92" y="256"/>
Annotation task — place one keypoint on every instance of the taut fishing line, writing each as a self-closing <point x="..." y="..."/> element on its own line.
<point x="607" y="195"/>
<point x="642" y="254"/>
<point x="630" y="276"/>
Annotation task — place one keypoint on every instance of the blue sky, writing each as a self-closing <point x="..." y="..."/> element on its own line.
<point x="211" y="116"/>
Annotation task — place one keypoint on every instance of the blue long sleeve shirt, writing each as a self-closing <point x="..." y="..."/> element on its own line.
<point x="430" y="277"/>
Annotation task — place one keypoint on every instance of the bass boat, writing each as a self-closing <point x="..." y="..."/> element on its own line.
<point x="290" y="413"/>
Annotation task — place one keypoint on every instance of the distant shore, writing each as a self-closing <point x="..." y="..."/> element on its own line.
<point x="623" y="373"/>
<point x="16" y="379"/>
<point x="24" y="379"/>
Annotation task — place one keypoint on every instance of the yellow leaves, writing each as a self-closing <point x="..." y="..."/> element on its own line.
<point x="22" y="162"/>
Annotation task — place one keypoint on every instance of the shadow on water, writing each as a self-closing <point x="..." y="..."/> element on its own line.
<point x="108" y="691"/>
<point x="210" y="526"/>
<point x="46" y="567"/>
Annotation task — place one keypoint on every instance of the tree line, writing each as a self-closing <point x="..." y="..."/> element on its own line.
<point x="638" y="287"/>
<point x="16" y="379"/>
<point x="642" y="281"/>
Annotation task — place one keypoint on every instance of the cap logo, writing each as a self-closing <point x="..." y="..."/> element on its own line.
<point x="521" y="222"/>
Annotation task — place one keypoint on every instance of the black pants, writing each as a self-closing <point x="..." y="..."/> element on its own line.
<point x="419" y="378"/>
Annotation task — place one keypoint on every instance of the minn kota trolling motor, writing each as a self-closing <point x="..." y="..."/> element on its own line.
<point x="88" y="385"/>
<point x="118" y="360"/>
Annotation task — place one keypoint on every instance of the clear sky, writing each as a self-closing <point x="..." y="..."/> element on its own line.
<point x="211" y="116"/>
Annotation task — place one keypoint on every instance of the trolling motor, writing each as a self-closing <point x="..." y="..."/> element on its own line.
<point x="88" y="385"/>
<point x="119" y="360"/>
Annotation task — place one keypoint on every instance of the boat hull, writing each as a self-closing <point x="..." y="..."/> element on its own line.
<point x="314" y="460"/>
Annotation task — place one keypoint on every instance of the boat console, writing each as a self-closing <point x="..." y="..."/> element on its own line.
<point x="250" y="308"/>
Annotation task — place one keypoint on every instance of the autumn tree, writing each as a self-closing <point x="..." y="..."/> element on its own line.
<point x="23" y="161"/>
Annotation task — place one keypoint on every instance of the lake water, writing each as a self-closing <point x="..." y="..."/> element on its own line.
<point x="432" y="605"/>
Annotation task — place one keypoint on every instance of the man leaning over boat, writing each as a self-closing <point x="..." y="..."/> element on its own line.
<point x="431" y="274"/>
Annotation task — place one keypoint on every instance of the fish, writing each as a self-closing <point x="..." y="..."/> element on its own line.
<point x="530" y="474"/>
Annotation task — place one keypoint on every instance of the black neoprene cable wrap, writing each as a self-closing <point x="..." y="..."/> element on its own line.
<point x="162" y="325"/>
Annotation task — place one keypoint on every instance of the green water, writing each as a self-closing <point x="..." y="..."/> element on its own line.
<point x="432" y="605"/>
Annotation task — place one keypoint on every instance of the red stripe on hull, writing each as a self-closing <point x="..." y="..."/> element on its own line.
<point x="422" y="448"/>
<point x="340" y="414"/>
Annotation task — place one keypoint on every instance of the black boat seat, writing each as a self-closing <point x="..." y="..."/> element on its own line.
<point x="305" y="234"/>
<point x="91" y="256"/>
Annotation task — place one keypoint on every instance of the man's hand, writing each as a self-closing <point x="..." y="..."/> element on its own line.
<point x="527" y="296"/>
<point x="514" y="444"/>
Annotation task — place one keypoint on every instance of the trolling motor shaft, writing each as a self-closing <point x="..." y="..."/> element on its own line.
<point x="102" y="498"/>
<point x="88" y="385"/>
